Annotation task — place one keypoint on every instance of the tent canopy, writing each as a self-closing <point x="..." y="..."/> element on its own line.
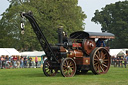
<point x="121" y="53"/>
<point x="3" y="52"/>
<point x="32" y="54"/>
<point x="25" y="53"/>
<point x="9" y="51"/>
<point x="118" y="52"/>
<point x="12" y="51"/>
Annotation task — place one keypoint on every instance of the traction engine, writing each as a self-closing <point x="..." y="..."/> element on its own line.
<point x="75" y="54"/>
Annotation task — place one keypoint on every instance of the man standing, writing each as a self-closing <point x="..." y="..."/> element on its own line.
<point x="21" y="62"/>
<point x="125" y="59"/>
<point x="114" y="60"/>
<point x="2" y="61"/>
<point x="118" y="61"/>
<point x="14" y="61"/>
<point x="30" y="62"/>
<point x="25" y="62"/>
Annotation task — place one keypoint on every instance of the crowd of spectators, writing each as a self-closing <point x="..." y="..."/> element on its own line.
<point x="120" y="61"/>
<point x="17" y="62"/>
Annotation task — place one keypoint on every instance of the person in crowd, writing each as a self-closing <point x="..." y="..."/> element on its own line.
<point x="112" y="58"/>
<point x="21" y="62"/>
<point x="36" y="61"/>
<point x="11" y="61"/>
<point x="14" y="61"/>
<point x="2" y="61"/>
<point x="7" y="62"/>
<point x="30" y="62"/>
<point x="126" y="59"/>
<point x="118" y="61"/>
<point x="5" y="59"/>
<point x="114" y="61"/>
<point x="25" y="62"/>
<point x="18" y="61"/>
<point x="121" y="61"/>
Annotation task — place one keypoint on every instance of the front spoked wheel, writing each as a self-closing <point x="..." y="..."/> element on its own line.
<point x="68" y="67"/>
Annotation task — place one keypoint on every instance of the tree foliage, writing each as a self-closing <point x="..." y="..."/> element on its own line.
<point x="48" y="13"/>
<point x="114" y="18"/>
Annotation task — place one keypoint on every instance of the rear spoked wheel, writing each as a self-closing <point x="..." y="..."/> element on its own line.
<point x="48" y="69"/>
<point x="68" y="67"/>
<point x="100" y="61"/>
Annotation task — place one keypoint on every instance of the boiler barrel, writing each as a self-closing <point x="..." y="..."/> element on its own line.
<point x="75" y="53"/>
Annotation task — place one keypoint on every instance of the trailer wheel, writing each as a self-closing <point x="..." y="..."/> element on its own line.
<point x="100" y="61"/>
<point x="68" y="67"/>
<point x="48" y="69"/>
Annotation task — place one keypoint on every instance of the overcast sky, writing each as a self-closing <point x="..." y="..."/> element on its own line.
<point x="88" y="6"/>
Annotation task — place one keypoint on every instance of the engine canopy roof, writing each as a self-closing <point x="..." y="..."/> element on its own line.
<point x="83" y="35"/>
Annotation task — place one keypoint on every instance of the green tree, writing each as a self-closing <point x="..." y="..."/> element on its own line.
<point x="113" y="18"/>
<point x="49" y="14"/>
<point x="10" y="24"/>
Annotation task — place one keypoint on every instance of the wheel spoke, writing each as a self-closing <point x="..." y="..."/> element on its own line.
<point x="99" y="68"/>
<point x="47" y="70"/>
<point x="96" y="60"/>
<point x="68" y="72"/>
<point x="64" y="69"/>
<point x="102" y="55"/>
<point x="96" y="67"/>
<point x="102" y="69"/>
<point x="71" y="70"/>
<point x="96" y="63"/>
<point x="97" y="56"/>
<point x="70" y="64"/>
<point x="64" y="66"/>
<point x="104" y="65"/>
<point x="105" y="59"/>
<point x="66" y="63"/>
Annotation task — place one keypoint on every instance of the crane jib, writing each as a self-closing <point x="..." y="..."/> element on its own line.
<point x="42" y="39"/>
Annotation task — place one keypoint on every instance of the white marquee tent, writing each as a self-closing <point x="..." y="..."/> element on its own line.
<point x="9" y="51"/>
<point x="115" y="52"/>
<point x="37" y="53"/>
<point x="32" y="54"/>
<point x="3" y="52"/>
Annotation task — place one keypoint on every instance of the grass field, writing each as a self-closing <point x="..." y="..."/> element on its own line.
<point x="35" y="76"/>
